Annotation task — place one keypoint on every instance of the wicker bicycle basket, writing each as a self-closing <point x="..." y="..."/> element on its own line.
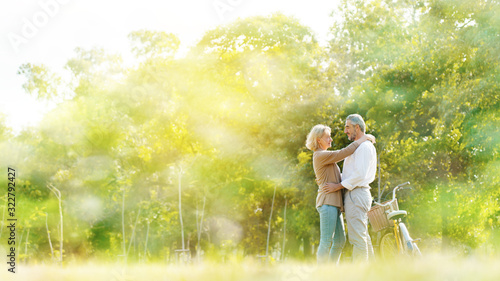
<point x="378" y="216"/>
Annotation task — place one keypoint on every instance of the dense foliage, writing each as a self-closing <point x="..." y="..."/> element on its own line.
<point x="225" y="126"/>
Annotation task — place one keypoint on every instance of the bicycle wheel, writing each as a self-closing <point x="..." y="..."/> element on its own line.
<point x="410" y="247"/>
<point x="416" y="250"/>
<point x="388" y="246"/>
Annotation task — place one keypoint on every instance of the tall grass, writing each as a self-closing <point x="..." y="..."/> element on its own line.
<point x="435" y="267"/>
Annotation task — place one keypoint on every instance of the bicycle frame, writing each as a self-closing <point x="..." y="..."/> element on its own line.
<point x="398" y="238"/>
<point x="403" y="241"/>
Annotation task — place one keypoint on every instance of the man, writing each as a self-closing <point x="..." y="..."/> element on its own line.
<point x="358" y="172"/>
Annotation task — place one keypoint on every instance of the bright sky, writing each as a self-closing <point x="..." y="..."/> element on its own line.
<point x="48" y="31"/>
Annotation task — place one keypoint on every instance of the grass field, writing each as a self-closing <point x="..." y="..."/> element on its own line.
<point x="437" y="268"/>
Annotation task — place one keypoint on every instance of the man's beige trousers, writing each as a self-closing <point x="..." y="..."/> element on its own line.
<point x="357" y="203"/>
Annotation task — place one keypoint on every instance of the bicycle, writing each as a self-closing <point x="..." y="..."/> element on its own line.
<point x="393" y="237"/>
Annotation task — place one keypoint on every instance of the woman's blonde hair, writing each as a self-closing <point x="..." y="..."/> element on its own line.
<point x="316" y="133"/>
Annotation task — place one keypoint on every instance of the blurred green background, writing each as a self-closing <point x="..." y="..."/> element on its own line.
<point x="224" y="128"/>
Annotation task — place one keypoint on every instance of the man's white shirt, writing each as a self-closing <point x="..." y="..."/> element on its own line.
<point x="360" y="167"/>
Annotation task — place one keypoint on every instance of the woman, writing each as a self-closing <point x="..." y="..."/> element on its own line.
<point x="329" y="201"/>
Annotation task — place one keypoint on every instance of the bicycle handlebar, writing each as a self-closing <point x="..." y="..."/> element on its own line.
<point x="393" y="195"/>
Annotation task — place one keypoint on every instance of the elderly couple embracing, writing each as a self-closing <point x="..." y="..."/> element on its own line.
<point x="348" y="192"/>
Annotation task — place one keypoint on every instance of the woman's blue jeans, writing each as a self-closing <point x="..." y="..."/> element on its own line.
<point x="332" y="239"/>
